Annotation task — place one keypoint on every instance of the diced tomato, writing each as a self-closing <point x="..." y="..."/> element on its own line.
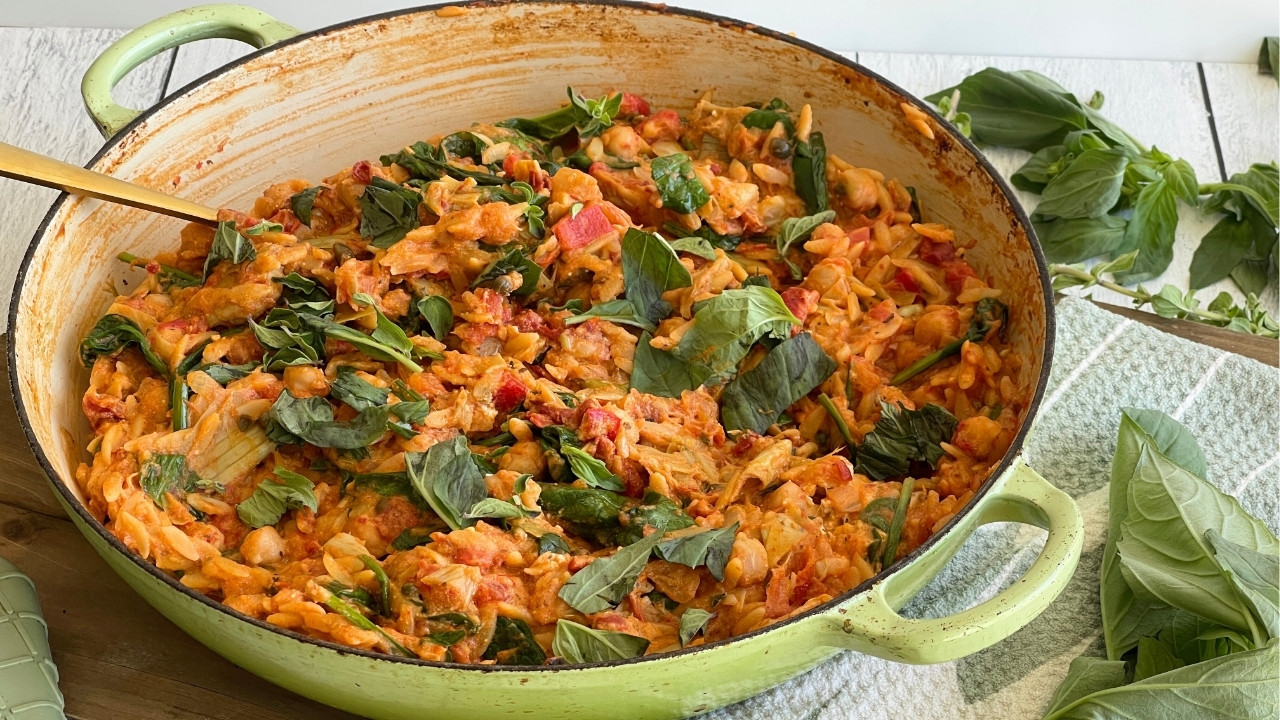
<point x="509" y="394"/>
<point x="509" y="163"/>
<point x="286" y="218"/>
<point x="800" y="301"/>
<point x="102" y="408"/>
<point x="907" y="282"/>
<point x="633" y="105"/>
<point x="362" y="172"/>
<point x="475" y="333"/>
<point x="589" y="225"/>
<point x="881" y="311"/>
<point x="662" y="125"/>
<point x="859" y="235"/>
<point x="936" y="253"/>
<point x="635" y="479"/>
<point x="957" y="272"/>
<point x="528" y="321"/>
<point x="598" y="422"/>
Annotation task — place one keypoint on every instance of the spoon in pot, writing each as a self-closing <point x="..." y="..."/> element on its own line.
<point x="27" y="166"/>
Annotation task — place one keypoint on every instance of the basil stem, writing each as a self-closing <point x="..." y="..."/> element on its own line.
<point x="895" y="527"/>
<point x="825" y="401"/>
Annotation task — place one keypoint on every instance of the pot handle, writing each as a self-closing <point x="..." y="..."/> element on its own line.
<point x="233" y="22"/>
<point x="870" y="623"/>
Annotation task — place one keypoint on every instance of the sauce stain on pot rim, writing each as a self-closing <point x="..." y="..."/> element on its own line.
<point x="27" y="321"/>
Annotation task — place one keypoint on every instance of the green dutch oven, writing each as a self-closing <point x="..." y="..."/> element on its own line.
<point x="306" y="103"/>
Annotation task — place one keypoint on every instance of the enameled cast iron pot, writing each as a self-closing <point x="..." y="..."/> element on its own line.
<point x="305" y="104"/>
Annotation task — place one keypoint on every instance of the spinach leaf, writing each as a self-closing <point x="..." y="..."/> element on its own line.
<point x="384" y="584"/>
<point x="514" y="261"/>
<point x="590" y="117"/>
<point x="692" y="622"/>
<point x="388" y="212"/>
<point x="412" y="537"/>
<point x="580" y="644"/>
<point x="303" y="202"/>
<point x="550" y="542"/>
<point x="114" y="333"/>
<point x="357" y="594"/>
<point x="373" y="346"/>
<point x="169" y="276"/>
<point x="989" y="314"/>
<point x="228" y="245"/>
<point x="754" y="399"/>
<point x="902" y="436"/>
<point x="1125" y="616"/>
<point x="591" y="470"/>
<point x="311" y="420"/>
<point x="658" y="512"/>
<point x="795" y="230"/>
<point x="809" y="165"/>
<point x="438" y="312"/>
<point x="1238" y="685"/>
<point x="586" y="510"/>
<point x="163" y="473"/>
<point x="765" y="117"/>
<point x="270" y="499"/>
<point x="224" y="374"/>
<point x="650" y="268"/>
<point x="1015" y="110"/>
<point x="1086" y="188"/>
<point x="1162" y="546"/>
<point x="385" y="484"/>
<point x="446" y="476"/>
<point x="1151" y="232"/>
<point x="359" y="394"/>
<point x="727" y="325"/>
<point x="354" y="617"/>
<point x="694" y="245"/>
<point x="427" y="162"/>
<point x="621" y="312"/>
<point x="1086" y="676"/>
<point x="1078" y="239"/>
<point x="678" y="186"/>
<point x="710" y="547"/>
<point x="513" y="644"/>
<point x="1254" y="576"/>
<point x="463" y="144"/>
<point x="728" y="243"/>
<point x="661" y="372"/>
<point x="602" y="584"/>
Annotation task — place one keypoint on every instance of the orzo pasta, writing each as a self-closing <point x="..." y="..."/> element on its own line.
<point x="605" y="382"/>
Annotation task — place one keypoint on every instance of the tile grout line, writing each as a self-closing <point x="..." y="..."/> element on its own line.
<point x="1213" y="125"/>
<point x="1200" y="385"/>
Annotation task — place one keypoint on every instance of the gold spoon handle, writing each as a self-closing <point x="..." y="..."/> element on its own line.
<point x="32" y="167"/>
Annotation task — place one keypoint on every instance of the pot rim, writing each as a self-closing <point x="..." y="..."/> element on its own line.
<point x="1015" y="448"/>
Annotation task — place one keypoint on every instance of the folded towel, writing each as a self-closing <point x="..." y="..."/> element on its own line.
<point x="1104" y="362"/>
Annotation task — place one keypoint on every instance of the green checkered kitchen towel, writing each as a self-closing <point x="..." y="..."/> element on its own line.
<point x="1103" y="362"/>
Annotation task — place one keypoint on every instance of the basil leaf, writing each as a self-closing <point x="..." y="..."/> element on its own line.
<point x="709" y="547"/>
<point x="1238" y="685"/>
<point x="359" y="394"/>
<point x="620" y="312"/>
<point x="728" y="243"/>
<point x="692" y="622"/>
<point x="764" y="118"/>
<point x="228" y="245"/>
<point x="1037" y="171"/>
<point x="438" y="312"/>
<point x="388" y="212"/>
<point x="223" y="374"/>
<point x="809" y="165"/>
<point x="495" y="508"/>
<point x="658" y="512"/>
<point x="354" y="617"/>
<point x="514" y="261"/>
<point x="427" y="162"/>
<point x="901" y="436"/>
<point x="678" y="185"/>
<point x="385" y="484"/>
<point x="1220" y="251"/>
<point x="602" y="584"/>
<point x="794" y="230"/>
<point x="446" y="476"/>
<point x="1153" y="659"/>
<point x="1151" y="232"/>
<point x="580" y="644"/>
<point x="114" y="333"/>
<point x="1088" y="187"/>
<point x="302" y="203"/>
<point x="370" y="346"/>
<point x="1015" y="110"/>
<point x="1181" y="178"/>
<point x="650" y="268"/>
<point x="513" y="644"/>
<point x="585" y="509"/>
<point x="694" y="245"/>
<point x="311" y="420"/>
<point x="1078" y="239"/>
<point x="163" y="473"/>
<point x="270" y="499"/>
<point x="1162" y="547"/>
<point x="660" y="372"/>
<point x="591" y="470"/>
<point x="754" y="399"/>
<point x="385" y="332"/>
<point x="550" y="542"/>
<point x="1086" y="676"/>
<point x="1253" y="575"/>
<point x="727" y="325"/>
